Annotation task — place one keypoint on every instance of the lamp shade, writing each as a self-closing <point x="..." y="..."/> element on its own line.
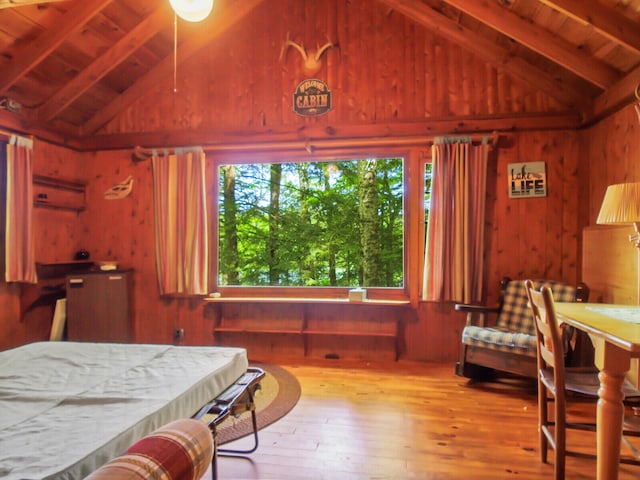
<point x="621" y="204"/>
<point x="192" y="10"/>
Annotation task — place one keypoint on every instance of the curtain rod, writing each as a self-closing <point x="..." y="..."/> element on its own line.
<point x="9" y="133"/>
<point x="310" y="146"/>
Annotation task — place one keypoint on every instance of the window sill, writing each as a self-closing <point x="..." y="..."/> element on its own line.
<point x="306" y="300"/>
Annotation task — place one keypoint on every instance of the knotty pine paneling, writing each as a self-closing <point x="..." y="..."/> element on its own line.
<point x="525" y="237"/>
<point x="609" y="271"/>
<point x="57" y="236"/>
<point x="123" y="230"/>
<point x="613" y="156"/>
<point x="611" y="149"/>
<point x="57" y="233"/>
<point x="384" y="68"/>
<point x="535" y="237"/>
<point x="15" y="330"/>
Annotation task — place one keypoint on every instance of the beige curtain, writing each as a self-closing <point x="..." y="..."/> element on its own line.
<point x="20" y="265"/>
<point x="453" y="265"/>
<point x="182" y="255"/>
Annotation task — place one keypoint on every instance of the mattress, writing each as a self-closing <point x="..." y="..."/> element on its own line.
<point x="67" y="408"/>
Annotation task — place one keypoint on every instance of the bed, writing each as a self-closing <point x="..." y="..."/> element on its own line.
<point x="67" y="408"/>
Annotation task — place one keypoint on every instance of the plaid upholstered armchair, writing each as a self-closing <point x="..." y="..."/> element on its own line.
<point x="508" y="344"/>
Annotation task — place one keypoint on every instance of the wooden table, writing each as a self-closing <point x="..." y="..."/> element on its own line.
<point x="615" y="333"/>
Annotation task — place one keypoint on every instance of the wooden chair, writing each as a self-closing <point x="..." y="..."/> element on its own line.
<point x="509" y="344"/>
<point x="555" y="380"/>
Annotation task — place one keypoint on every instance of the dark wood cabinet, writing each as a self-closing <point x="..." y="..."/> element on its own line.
<point x="99" y="306"/>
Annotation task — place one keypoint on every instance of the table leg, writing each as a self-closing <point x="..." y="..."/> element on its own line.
<point x="613" y="363"/>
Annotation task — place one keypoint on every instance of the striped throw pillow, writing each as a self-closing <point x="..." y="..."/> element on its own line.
<point x="180" y="450"/>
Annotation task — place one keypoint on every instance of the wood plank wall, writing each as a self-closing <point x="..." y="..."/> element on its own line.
<point x="386" y="70"/>
<point x="610" y="260"/>
<point x="612" y="150"/>
<point x="534" y="238"/>
<point x="524" y="238"/>
<point x="57" y="237"/>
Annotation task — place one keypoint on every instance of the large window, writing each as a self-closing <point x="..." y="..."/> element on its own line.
<point x="313" y="224"/>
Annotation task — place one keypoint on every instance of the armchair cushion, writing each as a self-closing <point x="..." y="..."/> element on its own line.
<point x="500" y="339"/>
<point x="514" y="330"/>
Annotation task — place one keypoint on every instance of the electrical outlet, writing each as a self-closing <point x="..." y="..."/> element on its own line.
<point x="178" y="335"/>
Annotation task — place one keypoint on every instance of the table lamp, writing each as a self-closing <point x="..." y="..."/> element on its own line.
<point x="621" y="206"/>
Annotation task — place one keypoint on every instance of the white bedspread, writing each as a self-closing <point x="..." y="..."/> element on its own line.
<point x="66" y="408"/>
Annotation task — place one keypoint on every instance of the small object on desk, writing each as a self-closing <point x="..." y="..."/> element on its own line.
<point x="59" y="318"/>
<point x="81" y="255"/>
<point x="108" y="266"/>
<point x="627" y="314"/>
<point x="357" y="295"/>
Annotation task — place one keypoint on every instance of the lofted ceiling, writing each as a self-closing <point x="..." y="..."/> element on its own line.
<point x="70" y="66"/>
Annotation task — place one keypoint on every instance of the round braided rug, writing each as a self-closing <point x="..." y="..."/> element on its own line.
<point x="279" y="393"/>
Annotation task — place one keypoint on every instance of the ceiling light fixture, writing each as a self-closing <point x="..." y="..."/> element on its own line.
<point x="192" y="10"/>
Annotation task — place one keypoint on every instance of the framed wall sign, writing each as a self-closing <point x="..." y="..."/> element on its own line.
<point x="527" y="180"/>
<point x="312" y="98"/>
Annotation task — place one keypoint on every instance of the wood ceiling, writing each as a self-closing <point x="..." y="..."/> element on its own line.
<point x="71" y="66"/>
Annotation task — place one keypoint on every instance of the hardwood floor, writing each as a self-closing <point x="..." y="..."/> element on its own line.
<point x="400" y="420"/>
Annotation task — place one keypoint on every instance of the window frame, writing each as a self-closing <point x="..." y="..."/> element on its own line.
<point x="413" y="200"/>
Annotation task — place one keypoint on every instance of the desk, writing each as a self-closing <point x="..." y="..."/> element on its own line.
<point x="615" y="333"/>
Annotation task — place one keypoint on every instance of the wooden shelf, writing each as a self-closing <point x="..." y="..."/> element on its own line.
<point x="350" y="333"/>
<point x="258" y="330"/>
<point x="58" y="194"/>
<point x="234" y="316"/>
<point x="61" y="269"/>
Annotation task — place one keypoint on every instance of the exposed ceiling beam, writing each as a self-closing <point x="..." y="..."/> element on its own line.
<point x="487" y="50"/>
<point x="606" y="21"/>
<point x="313" y="133"/>
<point x="538" y="39"/>
<point x="102" y="65"/>
<point x="20" y="124"/>
<point x="20" y="3"/>
<point x="616" y="97"/>
<point x="221" y="21"/>
<point x="79" y="13"/>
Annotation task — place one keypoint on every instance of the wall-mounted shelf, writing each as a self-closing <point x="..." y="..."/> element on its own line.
<point x="58" y="194"/>
<point x="61" y="269"/>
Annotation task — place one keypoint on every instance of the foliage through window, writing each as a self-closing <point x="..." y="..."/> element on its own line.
<point x="427" y="193"/>
<point x="314" y="224"/>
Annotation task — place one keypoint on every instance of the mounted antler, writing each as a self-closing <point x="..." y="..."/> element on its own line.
<point x="312" y="63"/>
